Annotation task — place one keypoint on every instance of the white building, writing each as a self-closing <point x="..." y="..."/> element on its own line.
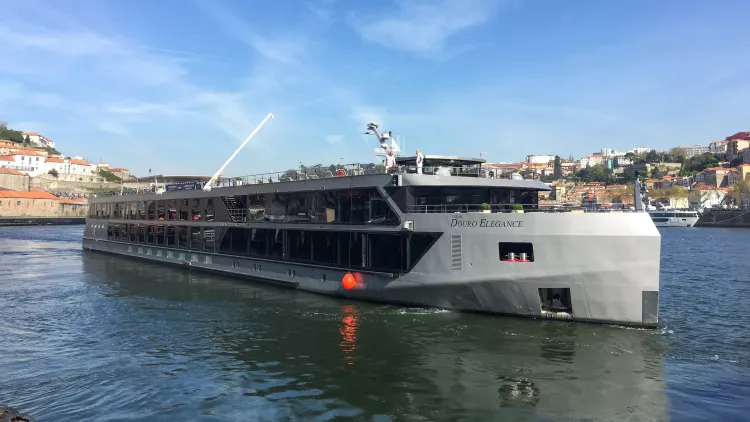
<point x="622" y="161"/>
<point x="608" y="152"/>
<point x="590" y="160"/>
<point x="539" y="159"/>
<point x="694" y="150"/>
<point x="29" y="162"/>
<point x="718" y="147"/>
<point x="75" y="166"/>
<point x="640" y="150"/>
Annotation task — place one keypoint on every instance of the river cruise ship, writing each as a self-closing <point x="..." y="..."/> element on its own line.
<point x="674" y="218"/>
<point x="448" y="237"/>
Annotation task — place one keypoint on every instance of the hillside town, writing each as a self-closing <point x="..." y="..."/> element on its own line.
<point x="37" y="180"/>
<point x="698" y="176"/>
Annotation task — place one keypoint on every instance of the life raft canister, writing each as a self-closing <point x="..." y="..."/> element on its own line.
<point x="340" y="173"/>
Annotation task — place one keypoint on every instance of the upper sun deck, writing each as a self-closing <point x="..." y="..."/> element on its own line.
<point x="436" y="172"/>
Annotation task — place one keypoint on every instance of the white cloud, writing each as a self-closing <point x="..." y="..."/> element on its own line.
<point x="423" y="26"/>
<point x="282" y="49"/>
<point x="334" y="139"/>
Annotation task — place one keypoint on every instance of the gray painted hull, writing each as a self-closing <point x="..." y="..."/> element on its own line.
<point x="609" y="262"/>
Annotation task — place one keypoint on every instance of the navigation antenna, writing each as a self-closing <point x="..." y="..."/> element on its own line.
<point x="249" y="137"/>
<point x="382" y="150"/>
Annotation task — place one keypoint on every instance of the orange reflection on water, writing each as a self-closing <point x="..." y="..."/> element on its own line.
<point x="348" y="331"/>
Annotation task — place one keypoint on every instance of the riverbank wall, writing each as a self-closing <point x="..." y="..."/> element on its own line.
<point x="725" y="218"/>
<point x="41" y="221"/>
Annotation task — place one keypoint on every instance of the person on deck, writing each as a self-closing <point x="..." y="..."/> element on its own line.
<point x="420" y="162"/>
<point x="390" y="162"/>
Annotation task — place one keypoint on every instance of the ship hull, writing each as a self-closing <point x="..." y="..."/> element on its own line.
<point x="604" y="267"/>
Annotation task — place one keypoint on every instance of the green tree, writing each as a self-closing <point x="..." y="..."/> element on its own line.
<point x="656" y="173"/>
<point x="596" y="173"/>
<point x="698" y="163"/>
<point x="54" y="173"/>
<point x="675" y="155"/>
<point x="27" y="141"/>
<point x="558" y="167"/>
<point x="108" y="175"/>
<point x="653" y="156"/>
<point x="741" y="192"/>
<point x="10" y="134"/>
<point x="548" y="178"/>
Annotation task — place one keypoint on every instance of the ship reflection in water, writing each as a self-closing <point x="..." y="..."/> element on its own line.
<point x="376" y="359"/>
<point x="348" y="331"/>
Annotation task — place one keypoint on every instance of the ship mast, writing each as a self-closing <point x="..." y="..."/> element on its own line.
<point x="249" y="137"/>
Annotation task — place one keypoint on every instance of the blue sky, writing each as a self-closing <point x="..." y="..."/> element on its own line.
<point x="176" y="85"/>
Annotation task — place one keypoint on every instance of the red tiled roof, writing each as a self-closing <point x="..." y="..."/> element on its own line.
<point x="26" y="195"/>
<point x="4" y="170"/>
<point x="55" y="160"/>
<point x="739" y="136"/>
<point x="30" y="133"/>
<point x="81" y="162"/>
<point x="6" y="158"/>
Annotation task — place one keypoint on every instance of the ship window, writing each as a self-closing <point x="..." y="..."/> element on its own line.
<point x="150" y="237"/>
<point x="141" y="210"/>
<point x="209" y="211"/>
<point x="172" y="210"/>
<point x="195" y="238"/>
<point x="325" y="207"/>
<point x="297" y="208"/>
<point x="160" y="212"/>
<point x="141" y="234"/>
<point x="182" y="237"/>
<point x="299" y="245"/>
<point x="379" y="210"/>
<point x="276" y="249"/>
<point x="234" y="241"/>
<point x="209" y="238"/>
<point x="151" y="209"/>
<point x="159" y="234"/>
<point x="259" y="241"/>
<point x="324" y="247"/>
<point x="195" y="210"/>
<point x="171" y="236"/>
<point x="351" y="250"/>
<point x="275" y="206"/>
<point x="184" y="210"/>
<point x="133" y="233"/>
<point x="110" y="231"/>
<point x="387" y="252"/>
<point x="256" y="208"/>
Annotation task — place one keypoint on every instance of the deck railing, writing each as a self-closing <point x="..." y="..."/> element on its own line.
<point x="313" y="173"/>
<point x="507" y="208"/>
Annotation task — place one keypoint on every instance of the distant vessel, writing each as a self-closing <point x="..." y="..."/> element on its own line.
<point x="673" y="218"/>
<point x="451" y="237"/>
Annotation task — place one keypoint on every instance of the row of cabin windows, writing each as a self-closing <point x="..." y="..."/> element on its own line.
<point x="375" y="251"/>
<point x="500" y="199"/>
<point x="351" y="206"/>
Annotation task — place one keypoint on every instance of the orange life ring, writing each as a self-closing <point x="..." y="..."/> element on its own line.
<point x="340" y="173"/>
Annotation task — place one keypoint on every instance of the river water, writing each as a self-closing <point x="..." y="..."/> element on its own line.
<point x="91" y="337"/>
